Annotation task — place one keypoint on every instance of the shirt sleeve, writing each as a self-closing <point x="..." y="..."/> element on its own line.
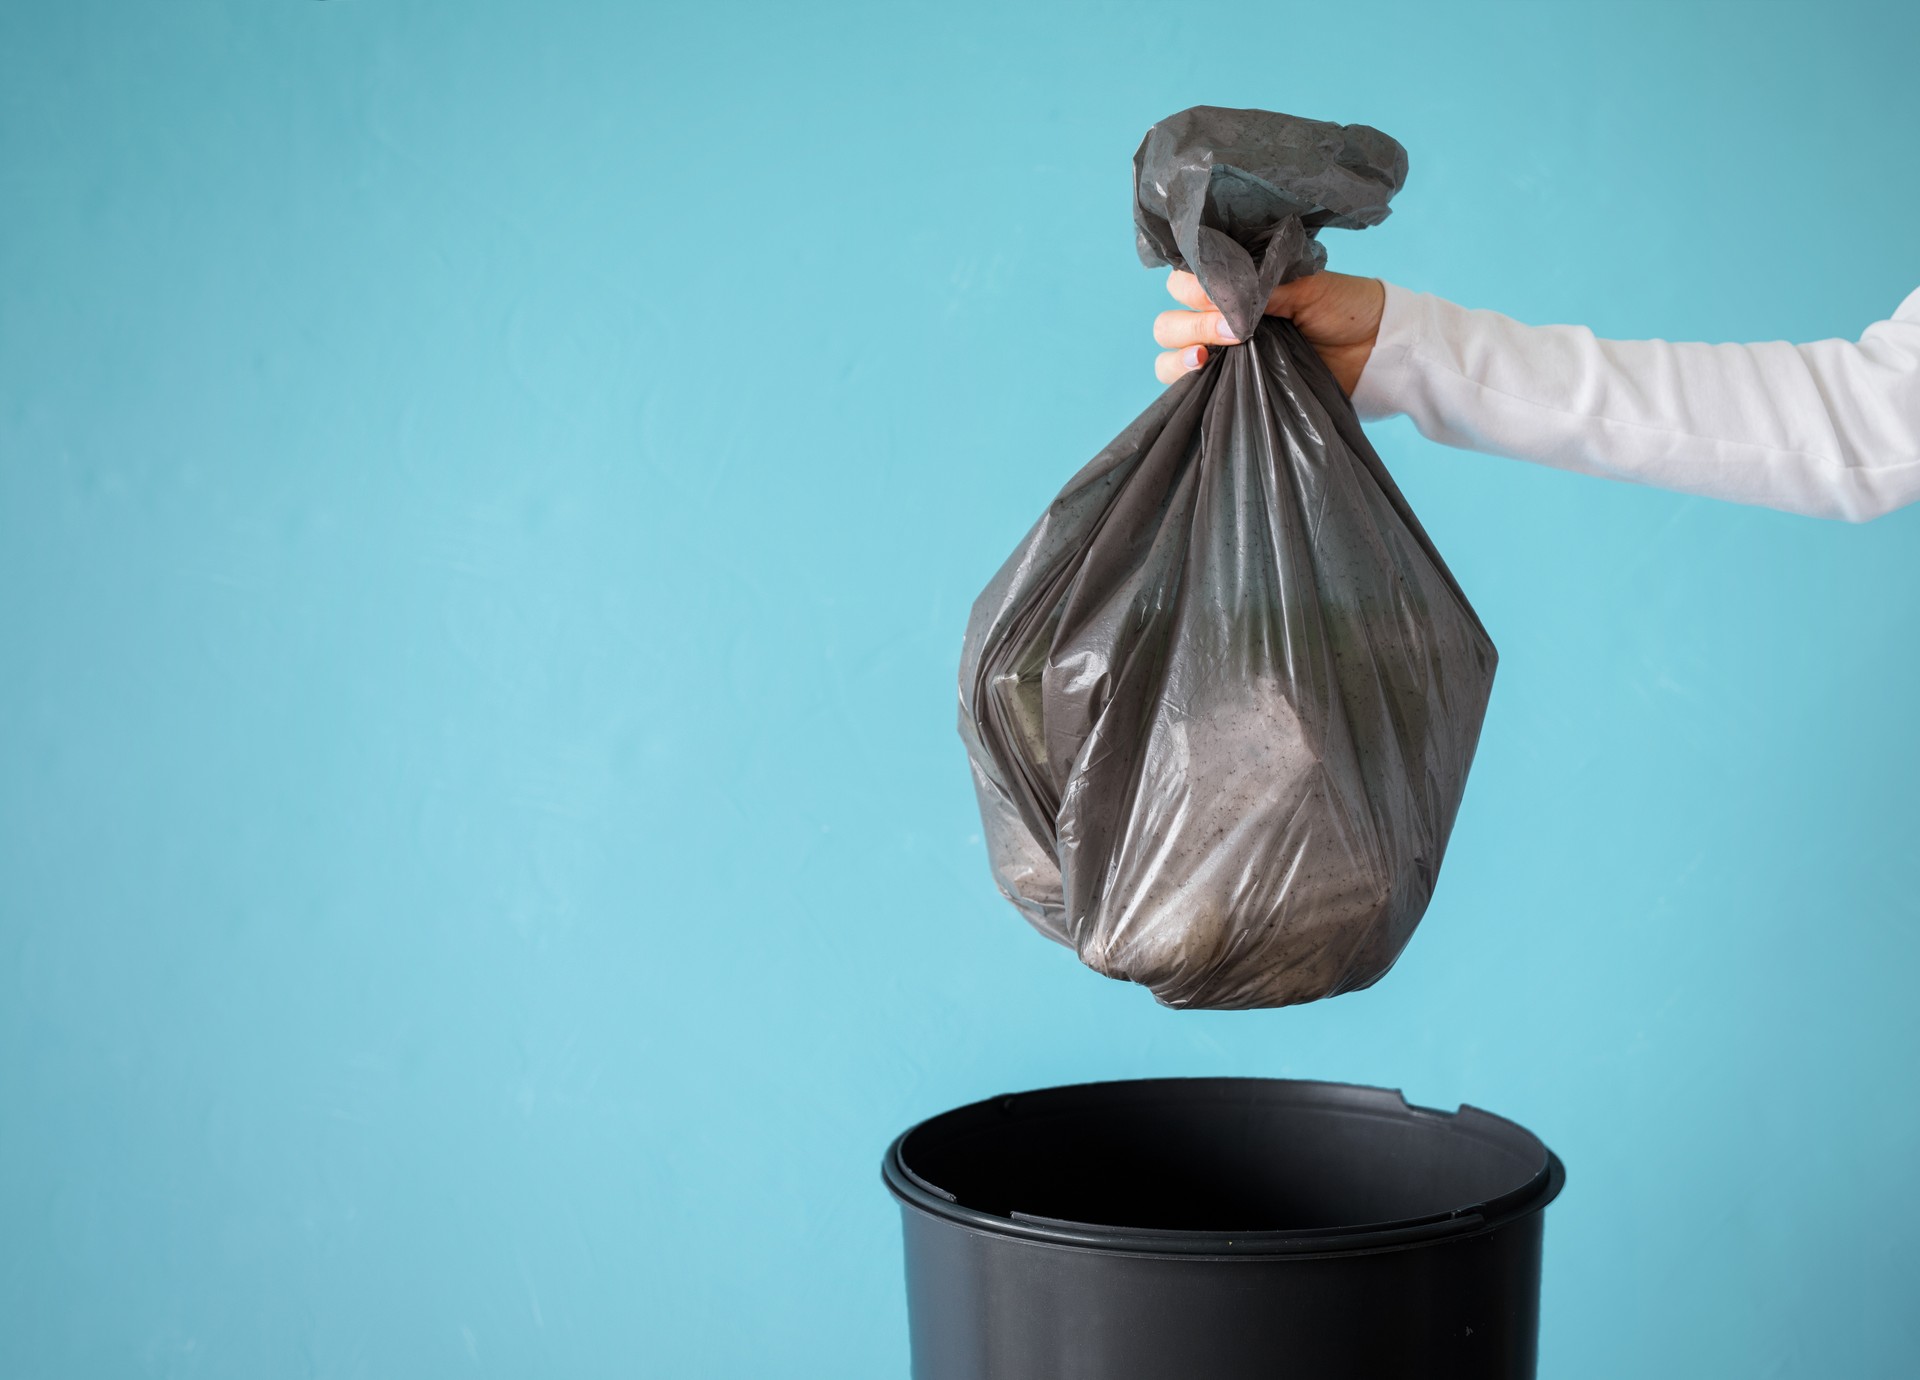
<point x="1830" y="429"/>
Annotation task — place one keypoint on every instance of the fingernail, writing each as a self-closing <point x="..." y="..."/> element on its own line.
<point x="1193" y="356"/>
<point x="1225" y="332"/>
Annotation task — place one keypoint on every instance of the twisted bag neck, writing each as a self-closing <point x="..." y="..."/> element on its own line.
<point x="1237" y="198"/>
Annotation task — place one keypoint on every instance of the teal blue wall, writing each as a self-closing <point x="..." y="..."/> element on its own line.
<point x="489" y="498"/>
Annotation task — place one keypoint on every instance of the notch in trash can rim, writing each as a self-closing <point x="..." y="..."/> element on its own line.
<point x="1471" y="1219"/>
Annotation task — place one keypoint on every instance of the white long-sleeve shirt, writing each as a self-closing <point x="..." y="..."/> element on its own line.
<point x="1830" y="429"/>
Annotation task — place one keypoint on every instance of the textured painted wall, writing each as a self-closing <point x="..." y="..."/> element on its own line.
<point x="489" y="498"/>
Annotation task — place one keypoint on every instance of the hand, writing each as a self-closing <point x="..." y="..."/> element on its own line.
<point x="1338" y="314"/>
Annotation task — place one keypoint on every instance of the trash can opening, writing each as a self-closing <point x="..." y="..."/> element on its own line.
<point x="1225" y="1155"/>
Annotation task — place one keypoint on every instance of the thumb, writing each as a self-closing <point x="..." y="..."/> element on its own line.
<point x="1289" y="298"/>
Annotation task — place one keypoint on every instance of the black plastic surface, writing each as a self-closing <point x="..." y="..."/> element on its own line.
<point x="1223" y="1228"/>
<point x="1220" y="703"/>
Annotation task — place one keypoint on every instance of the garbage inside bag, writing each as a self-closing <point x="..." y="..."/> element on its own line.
<point x="1221" y="702"/>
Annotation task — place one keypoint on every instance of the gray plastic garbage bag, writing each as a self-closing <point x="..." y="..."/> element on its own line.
<point x="1221" y="701"/>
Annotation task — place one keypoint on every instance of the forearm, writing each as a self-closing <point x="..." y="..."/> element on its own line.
<point x="1830" y="429"/>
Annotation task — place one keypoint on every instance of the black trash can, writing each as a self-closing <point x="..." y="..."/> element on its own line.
<point x="1221" y="1229"/>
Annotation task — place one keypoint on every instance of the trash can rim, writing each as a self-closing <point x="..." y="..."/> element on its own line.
<point x="1540" y="1188"/>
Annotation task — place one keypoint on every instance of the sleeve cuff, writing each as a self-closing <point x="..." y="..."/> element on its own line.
<point x="1381" y="391"/>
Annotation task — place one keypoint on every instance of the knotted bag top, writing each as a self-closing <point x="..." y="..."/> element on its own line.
<point x="1236" y="197"/>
